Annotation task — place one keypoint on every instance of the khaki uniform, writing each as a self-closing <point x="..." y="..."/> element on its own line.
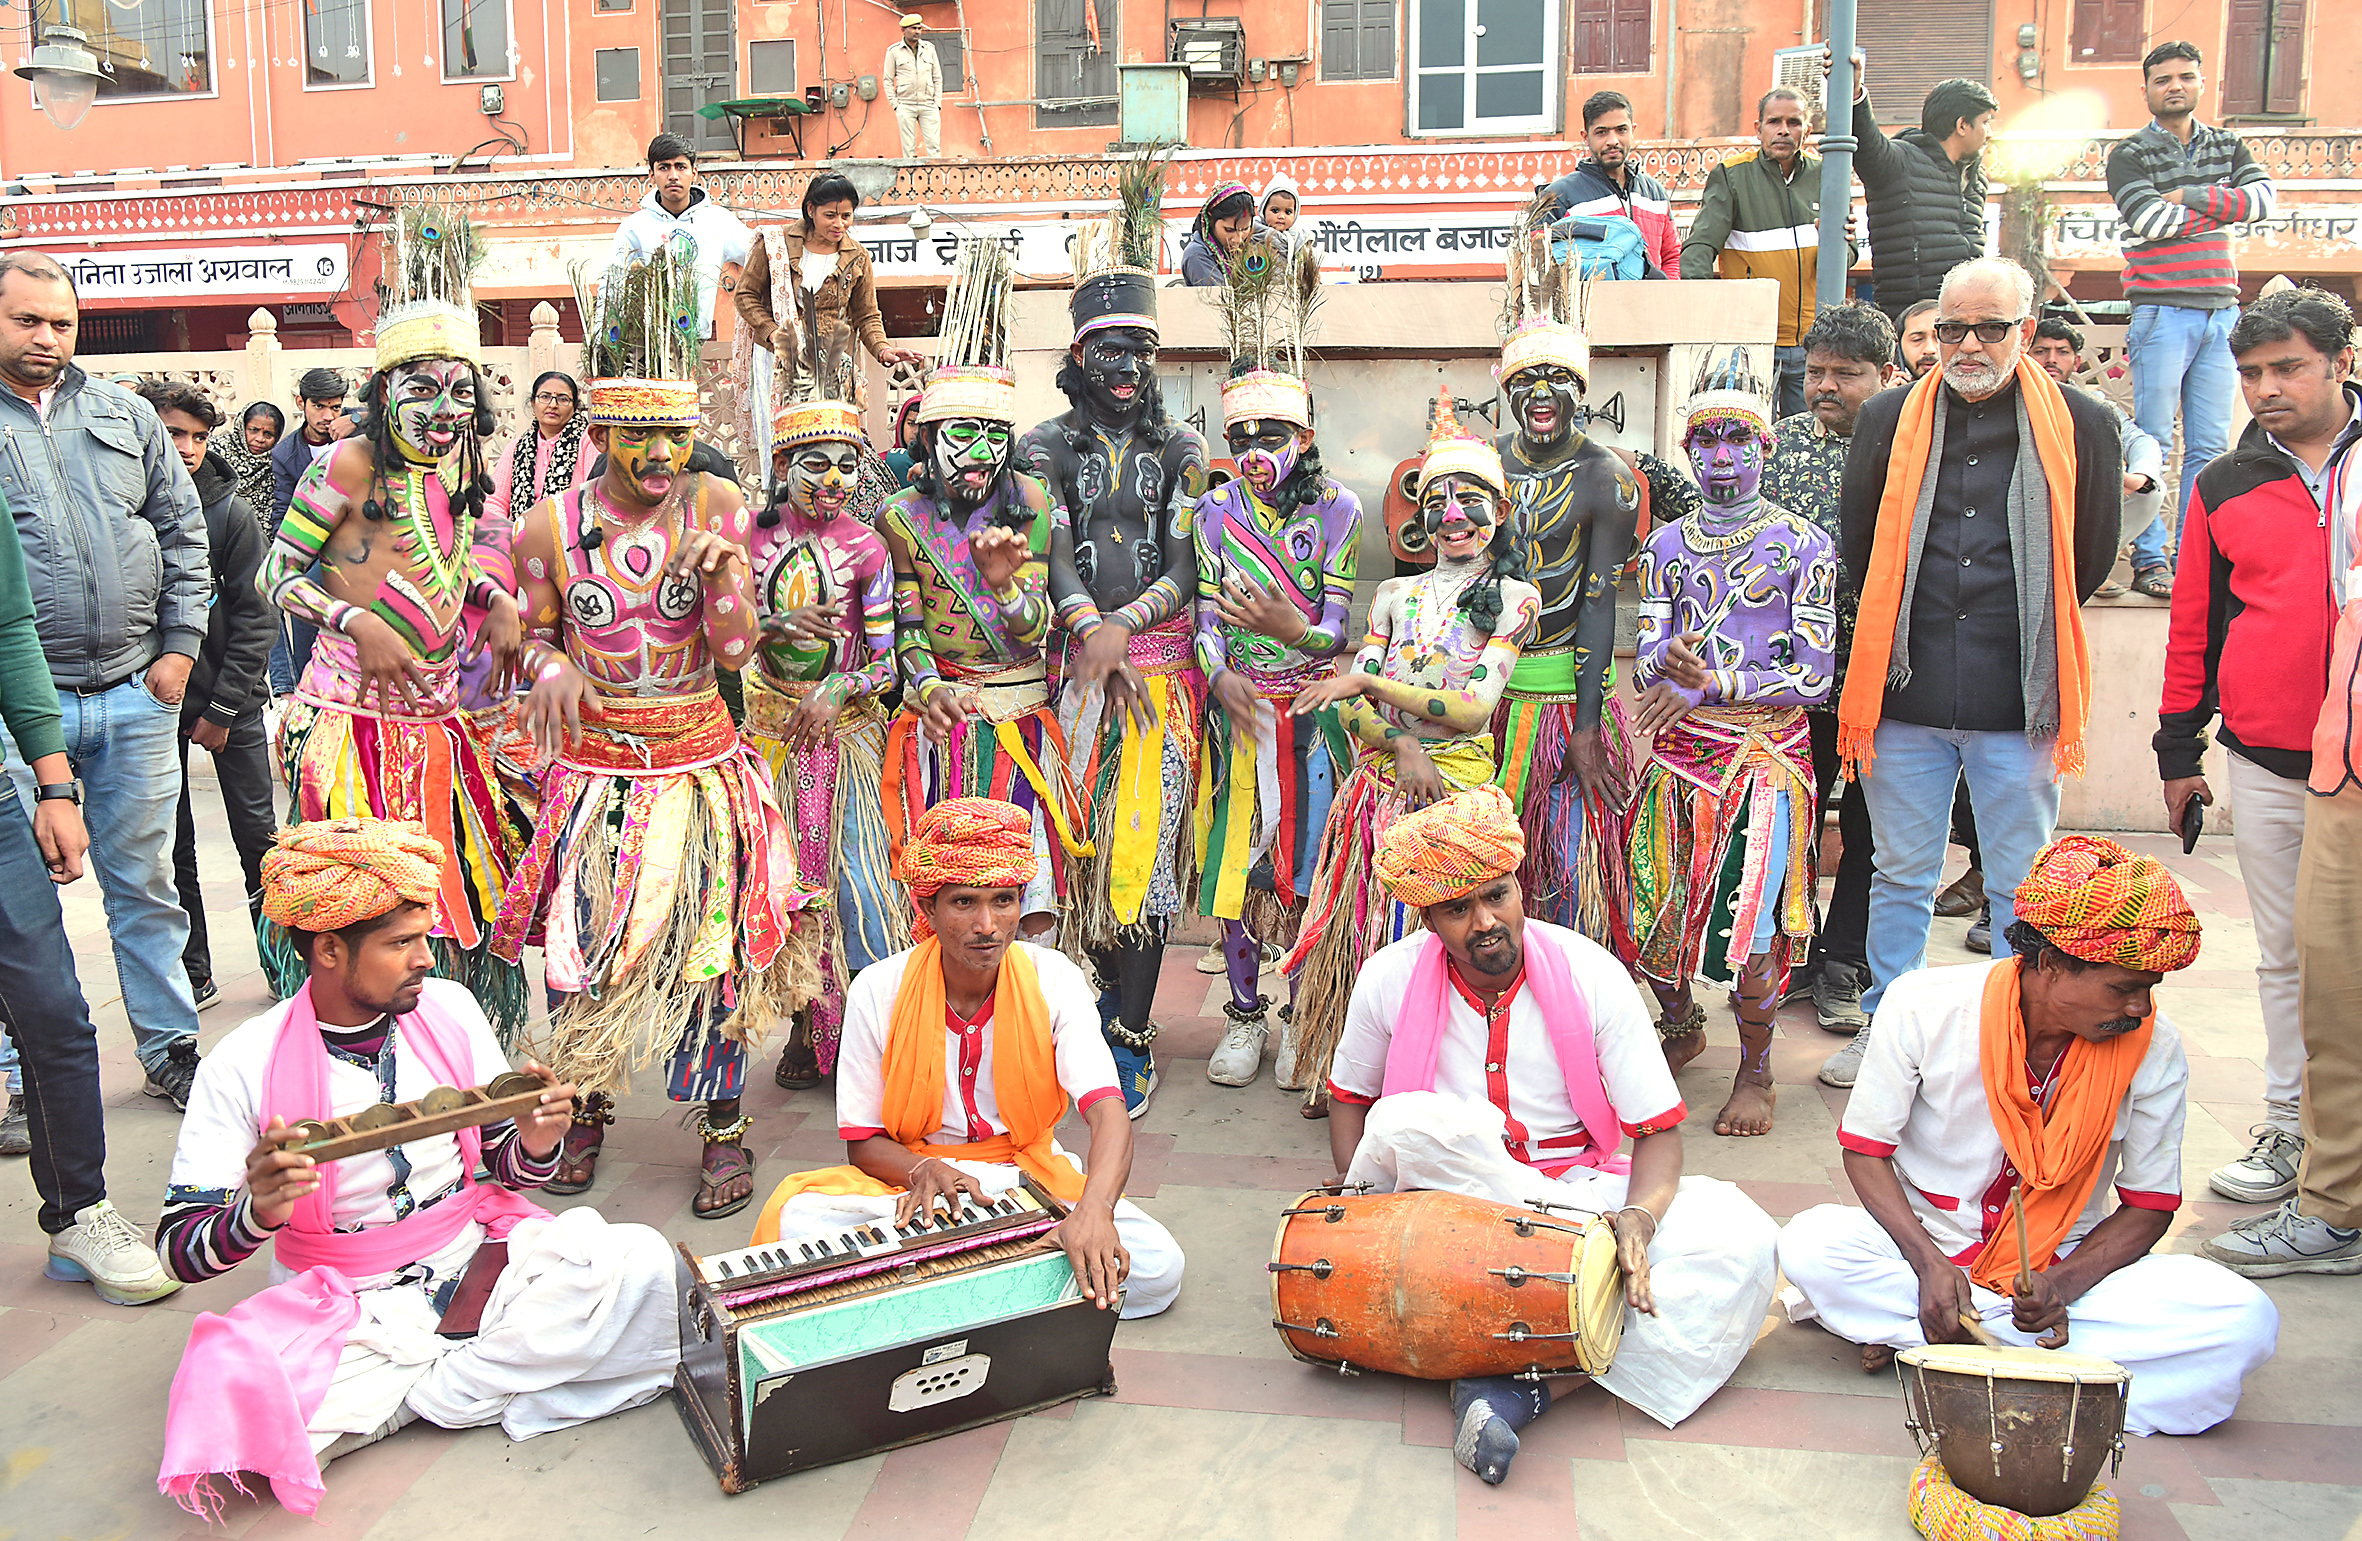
<point x="914" y="84"/>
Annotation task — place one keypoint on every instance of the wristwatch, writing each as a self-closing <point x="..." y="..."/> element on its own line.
<point x="59" y="792"/>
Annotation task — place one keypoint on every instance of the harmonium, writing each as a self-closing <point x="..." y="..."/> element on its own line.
<point x="802" y="1353"/>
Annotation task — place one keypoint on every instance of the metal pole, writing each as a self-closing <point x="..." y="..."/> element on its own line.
<point x="1837" y="154"/>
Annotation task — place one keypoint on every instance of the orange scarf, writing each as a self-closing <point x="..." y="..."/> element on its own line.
<point x="1858" y="710"/>
<point x="1024" y="1083"/>
<point x="2058" y="1159"/>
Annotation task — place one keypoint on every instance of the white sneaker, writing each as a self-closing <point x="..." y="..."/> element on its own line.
<point x="1283" y="1064"/>
<point x="102" y="1250"/>
<point x="1240" y="1056"/>
<point x="2281" y="1241"/>
<point x="1846" y="1063"/>
<point x="1211" y="960"/>
<point x="2267" y="1173"/>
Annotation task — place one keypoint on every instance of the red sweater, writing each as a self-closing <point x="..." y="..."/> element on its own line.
<point x="2251" y="616"/>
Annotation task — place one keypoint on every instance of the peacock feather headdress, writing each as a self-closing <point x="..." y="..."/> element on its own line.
<point x="972" y="377"/>
<point x="426" y="304"/>
<point x="1545" y="304"/>
<point x="1266" y="302"/>
<point x="1115" y="258"/>
<point x="640" y="340"/>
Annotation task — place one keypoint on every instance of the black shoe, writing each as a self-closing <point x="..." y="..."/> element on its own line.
<point x="1803" y="981"/>
<point x="1980" y="935"/>
<point x="1837" y="997"/>
<point x="206" y="993"/>
<point x="178" y="1073"/>
<point x="16" y="1130"/>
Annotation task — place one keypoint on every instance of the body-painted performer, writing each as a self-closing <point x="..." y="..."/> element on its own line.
<point x="814" y="712"/>
<point x="1418" y="700"/>
<point x="1505" y="1058"/>
<point x="970" y="541"/>
<point x="390" y="519"/>
<point x="1277" y="550"/>
<point x="369" y="1252"/>
<point x="1738" y="632"/>
<point x="661" y="882"/>
<point x="961" y="1055"/>
<point x="1565" y="746"/>
<point x="1124" y="579"/>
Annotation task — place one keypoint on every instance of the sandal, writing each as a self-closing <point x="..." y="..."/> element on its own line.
<point x="799" y="1067"/>
<point x="2155" y="582"/>
<point x="578" y="1153"/>
<point x="722" y="1166"/>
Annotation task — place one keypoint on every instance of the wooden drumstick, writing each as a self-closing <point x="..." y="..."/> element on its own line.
<point x="1979" y="1331"/>
<point x="2017" y="1214"/>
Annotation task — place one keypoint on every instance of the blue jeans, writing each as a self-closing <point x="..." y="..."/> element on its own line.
<point x="125" y="746"/>
<point x="1909" y="789"/>
<point x="291" y="650"/>
<point x="2181" y="361"/>
<point x="1788" y="391"/>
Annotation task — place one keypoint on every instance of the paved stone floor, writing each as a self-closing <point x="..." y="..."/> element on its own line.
<point x="1215" y="1432"/>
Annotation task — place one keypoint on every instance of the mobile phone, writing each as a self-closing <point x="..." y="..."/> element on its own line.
<point x="2193" y="823"/>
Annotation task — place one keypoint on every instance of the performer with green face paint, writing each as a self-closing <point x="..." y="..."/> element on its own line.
<point x="412" y="579"/>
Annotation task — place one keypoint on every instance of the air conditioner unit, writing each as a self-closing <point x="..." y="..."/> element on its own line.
<point x="1213" y="47"/>
<point x="1799" y="70"/>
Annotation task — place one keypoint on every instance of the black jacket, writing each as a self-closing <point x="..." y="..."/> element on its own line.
<point x="1927" y="215"/>
<point x="228" y="680"/>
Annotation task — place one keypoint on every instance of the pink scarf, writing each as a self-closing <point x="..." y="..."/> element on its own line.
<point x="1418" y="1039"/>
<point x="249" y="1382"/>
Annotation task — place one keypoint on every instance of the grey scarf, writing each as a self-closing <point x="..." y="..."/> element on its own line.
<point x="2029" y="561"/>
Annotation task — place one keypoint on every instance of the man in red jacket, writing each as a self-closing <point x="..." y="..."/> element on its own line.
<point x="2252" y="617"/>
<point x="1611" y="185"/>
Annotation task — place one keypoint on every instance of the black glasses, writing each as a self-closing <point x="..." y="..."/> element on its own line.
<point x="554" y="399"/>
<point x="1988" y="332"/>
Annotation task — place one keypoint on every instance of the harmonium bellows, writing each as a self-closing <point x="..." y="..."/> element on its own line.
<point x="803" y="1353"/>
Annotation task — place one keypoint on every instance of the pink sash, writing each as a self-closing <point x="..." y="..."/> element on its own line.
<point x="1418" y="1039"/>
<point x="250" y="1381"/>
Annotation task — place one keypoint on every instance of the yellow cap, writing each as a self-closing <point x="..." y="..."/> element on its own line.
<point x="913" y="19"/>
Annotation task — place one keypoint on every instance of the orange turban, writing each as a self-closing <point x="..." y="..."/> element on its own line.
<point x="972" y="842"/>
<point x="1451" y="848"/>
<point x="334" y="873"/>
<point x="2097" y="900"/>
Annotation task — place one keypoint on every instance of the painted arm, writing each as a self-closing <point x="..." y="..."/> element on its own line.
<point x="1613" y="529"/>
<point x="876" y="674"/>
<point x="1654" y="630"/>
<point x="489" y="556"/>
<point x="1340" y="564"/>
<point x="1164" y="599"/>
<point x="911" y="650"/>
<point x="536" y="554"/>
<point x="1800" y="672"/>
<point x="1213" y="653"/>
<point x="1070" y="597"/>
<point x="1357" y="713"/>
<point x="321" y="502"/>
<point x="732" y="618"/>
<point x="1468" y="709"/>
<point x="1026" y="610"/>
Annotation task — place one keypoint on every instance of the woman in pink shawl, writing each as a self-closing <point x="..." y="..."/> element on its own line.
<point x="1508" y="1059"/>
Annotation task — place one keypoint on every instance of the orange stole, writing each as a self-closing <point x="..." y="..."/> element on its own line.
<point x="2058" y="1158"/>
<point x="1024" y="1083"/>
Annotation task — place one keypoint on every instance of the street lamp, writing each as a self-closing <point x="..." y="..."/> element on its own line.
<point x="65" y="73"/>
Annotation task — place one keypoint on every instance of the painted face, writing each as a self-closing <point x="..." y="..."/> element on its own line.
<point x="818" y="478"/>
<point x="1543" y="401"/>
<point x="970" y="455"/>
<point x="643" y="461"/>
<point x="1458" y="512"/>
<point x="1727" y="457"/>
<point x="1266" y="450"/>
<point x="1118" y="364"/>
<point x="433" y="407"/>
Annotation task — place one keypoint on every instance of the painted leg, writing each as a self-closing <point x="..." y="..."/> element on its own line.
<point x="799" y="1063"/>
<point x="1242" y="960"/>
<point x="1681" y="1023"/>
<point x="1752" y="1095"/>
<point x="1129" y="991"/>
<point x="726" y="1171"/>
<point x="1486" y="1415"/>
<point x="578" y="1156"/>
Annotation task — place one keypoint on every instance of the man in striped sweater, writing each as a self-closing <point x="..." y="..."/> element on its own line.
<point x="2179" y="187"/>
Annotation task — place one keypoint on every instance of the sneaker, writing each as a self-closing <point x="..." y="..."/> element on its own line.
<point x="1211" y="960"/>
<point x="207" y="993"/>
<point x="2281" y="1241"/>
<point x="2265" y="1175"/>
<point x="1283" y="1064"/>
<point x="1240" y="1056"/>
<point x="1135" y="1077"/>
<point x="172" y="1080"/>
<point x="101" y="1249"/>
<point x="1846" y="1064"/>
<point x="1803" y="980"/>
<point x="1965" y="897"/>
<point x="16" y="1130"/>
<point x="1837" y="997"/>
<point x="1980" y="935"/>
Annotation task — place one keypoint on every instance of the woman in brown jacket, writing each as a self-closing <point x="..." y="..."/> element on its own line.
<point x="817" y="255"/>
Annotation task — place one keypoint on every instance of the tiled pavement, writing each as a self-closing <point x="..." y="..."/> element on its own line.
<point x="1214" y="1433"/>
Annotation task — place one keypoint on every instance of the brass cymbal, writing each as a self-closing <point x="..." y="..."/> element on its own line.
<point x="443" y="1099"/>
<point x="511" y="1083"/>
<point x="307" y="1131"/>
<point x="375" y="1116"/>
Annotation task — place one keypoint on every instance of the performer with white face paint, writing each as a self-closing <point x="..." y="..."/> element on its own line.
<point x="413" y="579"/>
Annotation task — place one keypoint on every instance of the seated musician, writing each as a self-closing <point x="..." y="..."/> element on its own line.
<point x="1506" y="1058"/>
<point x="372" y="1250"/>
<point x="957" y="1061"/>
<point x="2053" y="1074"/>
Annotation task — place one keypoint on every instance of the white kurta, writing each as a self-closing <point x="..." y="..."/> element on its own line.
<point x="1711" y="1263"/>
<point x="1086" y="1071"/>
<point x="2188" y="1329"/>
<point x="583" y="1322"/>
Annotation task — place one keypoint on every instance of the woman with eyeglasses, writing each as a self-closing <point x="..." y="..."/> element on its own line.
<point x="546" y="458"/>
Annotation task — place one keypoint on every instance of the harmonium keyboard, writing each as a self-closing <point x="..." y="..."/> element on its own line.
<point x="803" y="1353"/>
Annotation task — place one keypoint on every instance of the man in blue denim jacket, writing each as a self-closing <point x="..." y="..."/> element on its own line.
<point x="114" y="542"/>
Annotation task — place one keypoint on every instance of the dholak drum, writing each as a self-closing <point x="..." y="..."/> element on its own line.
<point x="2018" y="1428"/>
<point x="1440" y="1286"/>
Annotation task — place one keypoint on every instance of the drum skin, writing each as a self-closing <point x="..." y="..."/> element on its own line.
<point x="1420" y="1284"/>
<point x="1975" y="1398"/>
